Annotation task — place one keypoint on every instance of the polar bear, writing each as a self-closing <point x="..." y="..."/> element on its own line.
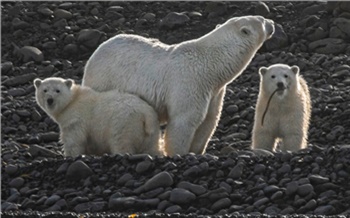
<point x="95" y="123"/>
<point x="185" y="82"/>
<point x="281" y="114"/>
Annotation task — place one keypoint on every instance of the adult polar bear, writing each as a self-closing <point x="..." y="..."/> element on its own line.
<point x="185" y="82"/>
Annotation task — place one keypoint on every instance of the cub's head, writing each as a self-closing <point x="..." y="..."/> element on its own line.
<point x="249" y="30"/>
<point x="53" y="94"/>
<point x="281" y="77"/>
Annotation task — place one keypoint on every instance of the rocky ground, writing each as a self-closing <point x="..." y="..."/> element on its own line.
<point x="56" y="38"/>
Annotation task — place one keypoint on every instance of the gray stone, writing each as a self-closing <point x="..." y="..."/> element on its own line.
<point x="215" y="9"/>
<point x="304" y="190"/>
<point x="162" y="179"/>
<point x="343" y="24"/>
<point x="61" y="13"/>
<point x="90" y="37"/>
<point x="311" y="205"/>
<point x="174" y="20"/>
<point x="126" y="177"/>
<point x="149" y="17"/>
<point x="181" y="196"/>
<point x="328" y="46"/>
<point x="262" y="9"/>
<point x="144" y="166"/>
<point x="6" y="66"/>
<point x="20" y="80"/>
<point x="11" y="169"/>
<point x="314" y="34"/>
<point x="291" y="188"/>
<point x="278" y="40"/>
<point x="277" y="195"/>
<point x="30" y="53"/>
<point x="52" y="200"/>
<point x="45" y="11"/>
<point x="221" y="204"/>
<point x="78" y="170"/>
<point x="325" y="210"/>
<point x="194" y="188"/>
<point x="17" y="182"/>
<point x="173" y="209"/>
<point x="63" y="168"/>
<point x="236" y="171"/>
<point x="37" y="150"/>
<point x="20" y="24"/>
<point x="317" y="179"/>
<point x="260" y="202"/>
<point x="90" y="207"/>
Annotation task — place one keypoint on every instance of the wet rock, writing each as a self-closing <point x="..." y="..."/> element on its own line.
<point x="305" y="189"/>
<point x="37" y="150"/>
<point x="90" y="37"/>
<point x="78" y="170"/>
<point x="328" y="46"/>
<point x="162" y="179"/>
<point x="196" y="189"/>
<point x="61" y="13"/>
<point x="325" y="210"/>
<point x="30" y="53"/>
<point x="20" y="80"/>
<point x="17" y="182"/>
<point x="221" y="204"/>
<point x="11" y="169"/>
<point x="174" y="20"/>
<point x="215" y="9"/>
<point x="262" y="9"/>
<point x="181" y="196"/>
<point x="278" y="40"/>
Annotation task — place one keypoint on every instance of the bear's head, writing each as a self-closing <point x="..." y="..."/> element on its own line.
<point x="53" y="94"/>
<point x="281" y="77"/>
<point x="250" y="31"/>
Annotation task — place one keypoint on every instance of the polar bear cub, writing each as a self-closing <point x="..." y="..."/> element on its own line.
<point x="186" y="82"/>
<point x="95" y="123"/>
<point x="287" y="114"/>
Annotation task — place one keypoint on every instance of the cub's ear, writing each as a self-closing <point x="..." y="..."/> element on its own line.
<point x="37" y="82"/>
<point x="295" y="69"/>
<point x="217" y="26"/>
<point x="69" y="82"/>
<point x="245" y="30"/>
<point x="262" y="71"/>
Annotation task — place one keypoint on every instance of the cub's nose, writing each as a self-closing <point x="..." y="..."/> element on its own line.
<point x="280" y="85"/>
<point x="49" y="101"/>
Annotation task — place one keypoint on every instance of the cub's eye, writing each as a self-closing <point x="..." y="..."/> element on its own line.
<point x="45" y="90"/>
<point x="273" y="76"/>
<point x="285" y="76"/>
<point x="58" y="91"/>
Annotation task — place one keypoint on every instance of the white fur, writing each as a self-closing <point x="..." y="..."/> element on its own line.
<point x="95" y="123"/>
<point x="288" y="115"/>
<point x="186" y="82"/>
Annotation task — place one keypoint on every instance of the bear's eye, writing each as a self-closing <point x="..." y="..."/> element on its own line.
<point x="245" y="31"/>
<point x="285" y="76"/>
<point x="273" y="76"/>
<point x="44" y="90"/>
<point x="58" y="91"/>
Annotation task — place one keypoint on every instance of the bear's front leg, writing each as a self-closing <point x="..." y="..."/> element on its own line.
<point x="293" y="142"/>
<point x="183" y="125"/>
<point x="74" y="142"/>
<point x="263" y="139"/>
<point x="207" y="128"/>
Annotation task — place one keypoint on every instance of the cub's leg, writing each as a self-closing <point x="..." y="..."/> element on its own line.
<point x="74" y="142"/>
<point x="293" y="142"/>
<point x="263" y="140"/>
<point x="208" y="126"/>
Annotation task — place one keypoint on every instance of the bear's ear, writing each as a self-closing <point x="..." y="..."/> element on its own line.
<point x="262" y="71"/>
<point x="245" y="30"/>
<point x="69" y="83"/>
<point x="217" y="26"/>
<point x="37" y="82"/>
<point x="295" y="69"/>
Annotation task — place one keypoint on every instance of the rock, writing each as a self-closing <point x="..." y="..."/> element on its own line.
<point x="162" y="179"/>
<point x="262" y="9"/>
<point x="90" y="37"/>
<point x="317" y="179"/>
<point x="181" y="196"/>
<point x="78" y="170"/>
<point x="173" y="209"/>
<point x="52" y="200"/>
<point x="11" y="169"/>
<point x="343" y="24"/>
<point x="20" y="24"/>
<point x="37" y="150"/>
<point x="328" y="46"/>
<point x="260" y="202"/>
<point x="90" y="207"/>
<point x="291" y="188"/>
<point x="30" y="53"/>
<point x="215" y="9"/>
<point x="174" y="20"/>
<point x="6" y="66"/>
<point x="17" y="182"/>
<point x="314" y="34"/>
<point x="304" y="190"/>
<point x="144" y="166"/>
<point x="325" y="210"/>
<point x="278" y="40"/>
<point x="20" y="80"/>
<point x="221" y="204"/>
<point x="61" y="13"/>
<point x="196" y="189"/>
<point x="236" y="171"/>
<point x="45" y="11"/>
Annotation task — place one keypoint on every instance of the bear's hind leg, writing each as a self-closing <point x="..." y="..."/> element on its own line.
<point x="207" y="128"/>
<point x="293" y="142"/>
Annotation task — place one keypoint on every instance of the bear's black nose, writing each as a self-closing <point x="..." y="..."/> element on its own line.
<point x="280" y="85"/>
<point x="50" y="101"/>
